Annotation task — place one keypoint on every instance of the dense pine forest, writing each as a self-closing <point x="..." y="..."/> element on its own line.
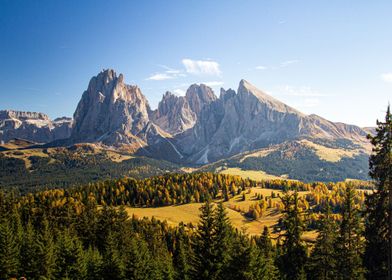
<point x="85" y="233"/>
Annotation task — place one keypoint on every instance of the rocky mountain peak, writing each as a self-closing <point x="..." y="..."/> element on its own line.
<point x="198" y="96"/>
<point x="175" y="114"/>
<point x="109" y="106"/>
<point x="246" y="89"/>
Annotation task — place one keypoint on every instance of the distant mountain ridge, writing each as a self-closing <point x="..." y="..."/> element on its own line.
<point x="33" y="126"/>
<point x="198" y="128"/>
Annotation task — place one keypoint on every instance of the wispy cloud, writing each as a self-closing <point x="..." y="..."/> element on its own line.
<point x="169" y="74"/>
<point x="302" y="91"/>
<point x="160" y="77"/>
<point x="261" y="67"/>
<point x="213" y="83"/>
<point x="201" y="67"/>
<point x="179" y="91"/>
<point x="288" y="62"/>
<point x="387" y="77"/>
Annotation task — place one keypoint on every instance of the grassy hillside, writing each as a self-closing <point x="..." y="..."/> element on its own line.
<point x="302" y="160"/>
<point x="63" y="167"/>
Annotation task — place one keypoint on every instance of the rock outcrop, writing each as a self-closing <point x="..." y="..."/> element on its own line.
<point x="176" y="114"/>
<point x="251" y="119"/>
<point x="32" y="126"/>
<point x="115" y="114"/>
<point x="197" y="128"/>
<point x="110" y="111"/>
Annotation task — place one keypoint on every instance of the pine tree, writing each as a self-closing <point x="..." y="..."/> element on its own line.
<point x="294" y="255"/>
<point x="349" y="242"/>
<point x="181" y="256"/>
<point x="70" y="261"/>
<point x="378" y="214"/>
<point x="46" y="253"/>
<point x="223" y="240"/>
<point x="138" y="261"/>
<point x="204" y="244"/>
<point x="265" y="244"/>
<point x="94" y="264"/>
<point x="29" y="253"/>
<point x="323" y="260"/>
<point x="9" y="251"/>
<point x="113" y="267"/>
<point x="242" y="258"/>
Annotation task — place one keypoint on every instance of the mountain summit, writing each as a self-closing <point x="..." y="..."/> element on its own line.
<point x="176" y="114"/>
<point x="197" y="128"/>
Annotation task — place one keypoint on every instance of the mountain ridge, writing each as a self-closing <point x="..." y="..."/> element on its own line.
<point x="197" y="128"/>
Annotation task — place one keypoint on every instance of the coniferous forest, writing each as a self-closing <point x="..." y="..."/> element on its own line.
<point x="85" y="233"/>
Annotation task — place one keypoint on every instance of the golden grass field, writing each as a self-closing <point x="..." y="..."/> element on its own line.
<point x="189" y="213"/>
<point x="251" y="174"/>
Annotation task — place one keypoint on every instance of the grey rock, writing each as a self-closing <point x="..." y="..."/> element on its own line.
<point x="32" y="126"/>
<point x="176" y="114"/>
<point x="251" y="119"/>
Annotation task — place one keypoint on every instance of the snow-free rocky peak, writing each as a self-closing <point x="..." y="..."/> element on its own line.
<point x="32" y="126"/>
<point x="176" y="114"/>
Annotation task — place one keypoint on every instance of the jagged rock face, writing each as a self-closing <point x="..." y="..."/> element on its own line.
<point x="197" y="128"/>
<point x="199" y="96"/>
<point x="176" y="114"/>
<point x="251" y="119"/>
<point x="32" y="126"/>
<point x="110" y="111"/>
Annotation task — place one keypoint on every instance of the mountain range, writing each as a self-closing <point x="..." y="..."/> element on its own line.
<point x="198" y="129"/>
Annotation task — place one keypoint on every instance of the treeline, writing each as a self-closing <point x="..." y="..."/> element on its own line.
<point x="66" y="168"/>
<point x="74" y="234"/>
<point x="156" y="191"/>
<point x="91" y="242"/>
<point x="78" y="240"/>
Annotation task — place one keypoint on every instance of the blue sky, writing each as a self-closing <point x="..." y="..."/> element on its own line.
<point x="332" y="58"/>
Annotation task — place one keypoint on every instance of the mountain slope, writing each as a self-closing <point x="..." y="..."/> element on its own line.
<point x="199" y="128"/>
<point x="250" y="119"/>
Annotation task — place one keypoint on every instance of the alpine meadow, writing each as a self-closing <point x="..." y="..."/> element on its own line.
<point x="195" y="140"/>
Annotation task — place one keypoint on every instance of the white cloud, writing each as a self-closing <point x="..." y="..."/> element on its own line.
<point x="179" y="91"/>
<point x="288" y="62"/>
<point x="303" y="91"/>
<point x="160" y="77"/>
<point x="387" y="77"/>
<point x="201" y="67"/>
<point x="169" y="74"/>
<point x="261" y="67"/>
<point x="213" y="83"/>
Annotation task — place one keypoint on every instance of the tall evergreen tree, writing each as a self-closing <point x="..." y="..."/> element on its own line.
<point x="29" y="254"/>
<point x="94" y="264"/>
<point x="349" y="242"/>
<point x="9" y="251"/>
<point x="138" y="261"/>
<point x="323" y="260"/>
<point x="204" y="244"/>
<point x="70" y="261"/>
<point x="265" y="244"/>
<point x="378" y="217"/>
<point x="181" y="254"/>
<point x="46" y="252"/>
<point x="113" y="267"/>
<point x="294" y="252"/>
<point x="223" y="241"/>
